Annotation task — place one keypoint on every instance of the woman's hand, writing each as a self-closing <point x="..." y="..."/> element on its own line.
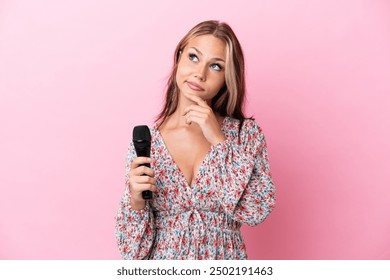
<point x="139" y="182"/>
<point x="203" y="115"/>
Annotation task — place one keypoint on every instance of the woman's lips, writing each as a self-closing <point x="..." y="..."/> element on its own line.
<point x="194" y="86"/>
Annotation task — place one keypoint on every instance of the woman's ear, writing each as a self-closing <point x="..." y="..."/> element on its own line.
<point x="178" y="55"/>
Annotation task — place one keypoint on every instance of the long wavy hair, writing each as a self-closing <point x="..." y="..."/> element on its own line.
<point x="229" y="101"/>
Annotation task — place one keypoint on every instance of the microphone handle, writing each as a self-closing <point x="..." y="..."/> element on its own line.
<point x="146" y="194"/>
<point x="142" y="149"/>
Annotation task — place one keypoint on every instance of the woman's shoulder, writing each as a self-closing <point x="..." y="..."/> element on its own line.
<point x="155" y="127"/>
<point x="245" y="131"/>
<point x="247" y="124"/>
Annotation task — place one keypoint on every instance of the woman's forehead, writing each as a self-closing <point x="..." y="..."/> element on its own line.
<point x="208" y="45"/>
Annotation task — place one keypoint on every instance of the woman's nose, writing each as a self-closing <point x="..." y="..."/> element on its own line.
<point x="201" y="73"/>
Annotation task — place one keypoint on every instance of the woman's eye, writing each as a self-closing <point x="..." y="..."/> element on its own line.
<point x="216" y="67"/>
<point x="193" y="57"/>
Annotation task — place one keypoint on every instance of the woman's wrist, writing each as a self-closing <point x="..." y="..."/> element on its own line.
<point x="137" y="204"/>
<point x="219" y="139"/>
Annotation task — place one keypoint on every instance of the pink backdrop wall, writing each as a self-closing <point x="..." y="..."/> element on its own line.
<point x="76" y="76"/>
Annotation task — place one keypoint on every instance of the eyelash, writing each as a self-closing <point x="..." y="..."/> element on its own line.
<point x="191" y="56"/>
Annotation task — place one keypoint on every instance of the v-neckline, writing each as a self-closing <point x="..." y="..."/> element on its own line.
<point x="195" y="179"/>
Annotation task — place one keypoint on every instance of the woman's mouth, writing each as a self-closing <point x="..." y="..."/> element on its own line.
<point x="194" y="86"/>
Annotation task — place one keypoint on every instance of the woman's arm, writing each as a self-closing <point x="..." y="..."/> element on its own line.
<point x="134" y="228"/>
<point x="244" y="184"/>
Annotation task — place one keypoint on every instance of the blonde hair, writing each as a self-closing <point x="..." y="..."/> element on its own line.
<point x="230" y="99"/>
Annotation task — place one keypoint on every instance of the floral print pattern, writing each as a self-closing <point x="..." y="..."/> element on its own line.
<point x="200" y="221"/>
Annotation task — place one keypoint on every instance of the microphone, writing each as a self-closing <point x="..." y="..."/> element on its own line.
<point x="142" y="140"/>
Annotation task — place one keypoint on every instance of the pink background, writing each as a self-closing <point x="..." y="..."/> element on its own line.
<point x="76" y="76"/>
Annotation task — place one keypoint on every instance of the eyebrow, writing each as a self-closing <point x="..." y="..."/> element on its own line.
<point x="214" y="58"/>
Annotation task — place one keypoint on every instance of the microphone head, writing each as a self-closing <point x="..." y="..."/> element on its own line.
<point x="141" y="133"/>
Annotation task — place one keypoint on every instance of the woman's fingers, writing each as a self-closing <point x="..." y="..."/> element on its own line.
<point x="141" y="178"/>
<point x="144" y="180"/>
<point x="142" y="170"/>
<point x="197" y="100"/>
<point x="201" y="114"/>
<point x="139" y="188"/>
<point x="196" y="117"/>
<point x="138" y="169"/>
<point x="142" y="184"/>
<point x="140" y="160"/>
<point x="196" y="108"/>
<point x="138" y="184"/>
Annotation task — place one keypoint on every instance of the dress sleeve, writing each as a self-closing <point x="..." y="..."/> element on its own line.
<point x="134" y="228"/>
<point x="243" y="182"/>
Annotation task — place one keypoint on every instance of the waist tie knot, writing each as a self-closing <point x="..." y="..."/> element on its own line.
<point x="194" y="220"/>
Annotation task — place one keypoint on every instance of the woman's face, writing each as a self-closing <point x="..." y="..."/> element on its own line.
<point x="201" y="67"/>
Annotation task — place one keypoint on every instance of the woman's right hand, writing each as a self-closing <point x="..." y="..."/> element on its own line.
<point x="139" y="182"/>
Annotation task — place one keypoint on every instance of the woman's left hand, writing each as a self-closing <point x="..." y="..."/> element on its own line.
<point x="201" y="114"/>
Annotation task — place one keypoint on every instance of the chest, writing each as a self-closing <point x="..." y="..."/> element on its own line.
<point x="187" y="149"/>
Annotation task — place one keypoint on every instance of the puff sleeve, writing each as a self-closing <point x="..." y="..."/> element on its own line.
<point x="134" y="228"/>
<point x="244" y="185"/>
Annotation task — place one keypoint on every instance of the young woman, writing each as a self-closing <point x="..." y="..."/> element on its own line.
<point x="209" y="166"/>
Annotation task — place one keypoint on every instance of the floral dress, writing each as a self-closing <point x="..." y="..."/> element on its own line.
<point x="200" y="221"/>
